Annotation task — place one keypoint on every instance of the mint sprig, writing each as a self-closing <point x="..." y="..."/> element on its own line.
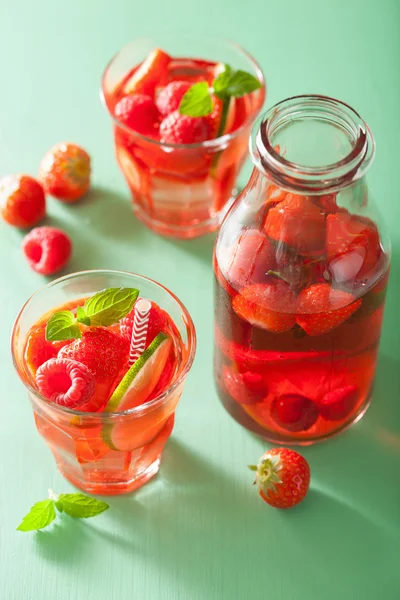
<point x="197" y="102"/>
<point x="104" y="308"/>
<point x="78" y="506"/>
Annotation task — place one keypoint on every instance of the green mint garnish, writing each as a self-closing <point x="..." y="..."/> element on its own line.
<point x="62" y="326"/>
<point x="78" y="506"/>
<point x="197" y="101"/>
<point x="103" y="309"/>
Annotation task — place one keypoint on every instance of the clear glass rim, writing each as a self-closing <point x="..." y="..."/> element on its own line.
<point x="137" y="410"/>
<point x="209" y="144"/>
<point x="312" y="178"/>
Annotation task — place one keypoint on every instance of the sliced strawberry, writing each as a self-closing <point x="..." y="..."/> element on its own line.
<point x="38" y="350"/>
<point x="158" y="322"/>
<point x="151" y="72"/>
<point x="299" y="223"/>
<point x="268" y="306"/>
<point x="321" y="308"/>
<point x="354" y="235"/>
<point x="251" y="258"/>
<point x="338" y="404"/>
<point x="294" y="412"/>
<point x="246" y="388"/>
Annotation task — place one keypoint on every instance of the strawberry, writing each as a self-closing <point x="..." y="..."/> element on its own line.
<point x="65" y="172"/>
<point x="283" y="477"/>
<point x="294" y="412"/>
<point x="104" y="352"/>
<point x="251" y="258"/>
<point x="149" y="74"/>
<point x="321" y="308"/>
<point x="354" y="235"/>
<point x="138" y="112"/>
<point x="181" y="129"/>
<point x="338" y="404"/>
<point x="65" y="382"/>
<point x="269" y="306"/>
<point x="47" y="249"/>
<point x="298" y="223"/>
<point x="22" y="200"/>
<point x="158" y="322"/>
<point x="38" y="350"/>
<point x="169" y="98"/>
<point x="245" y="388"/>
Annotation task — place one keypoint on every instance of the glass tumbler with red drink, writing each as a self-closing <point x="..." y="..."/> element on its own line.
<point x="301" y="270"/>
<point x="182" y="110"/>
<point x="104" y="356"/>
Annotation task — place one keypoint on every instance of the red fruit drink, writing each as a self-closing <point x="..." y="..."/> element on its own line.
<point x="300" y="289"/>
<point x="104" y="399"/>
<point x="181" y="170"/>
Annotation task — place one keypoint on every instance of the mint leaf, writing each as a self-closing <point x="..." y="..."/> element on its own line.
<point x="220" y="83"/>
<point x="109" y="306"/>
<point x="81" y="316"/>
<point x="62" y="326"/>
<point x="80" y="506"/>
<point x="39" y="517"/>
<point x="235" y="83"/>
<point x="197" y="101"/>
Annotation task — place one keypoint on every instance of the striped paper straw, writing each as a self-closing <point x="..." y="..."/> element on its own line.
<point x="139" y="329"/>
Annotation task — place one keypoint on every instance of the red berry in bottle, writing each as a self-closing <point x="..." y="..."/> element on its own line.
<point x="282" y="477"/>
<point x="169" y="98"/>
<point x="246" y="388"/>
<point x="181" y="129"/>
<point x="250" y="259"/>
<point x="294" y="412"/>
<point x="65" y="382"/>
<point x="321" y="308"/>
<point x="338" y="404"/>
<point x="65" y="172"/>
<point x="47" y="249"/>
<point x="138" y="112"/>
<point x="22" y="200"/>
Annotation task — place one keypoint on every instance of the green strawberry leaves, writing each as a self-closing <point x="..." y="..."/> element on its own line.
<point x="104" y="308"/>
<point x="78" y="506"/>
<point x="197" y="101"/>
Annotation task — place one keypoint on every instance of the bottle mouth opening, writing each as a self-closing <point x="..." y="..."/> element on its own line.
<point x="312" y="144"/>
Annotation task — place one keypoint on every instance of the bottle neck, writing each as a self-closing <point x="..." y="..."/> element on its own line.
<point x="312" y="144"/>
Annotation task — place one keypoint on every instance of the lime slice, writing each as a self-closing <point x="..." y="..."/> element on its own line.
<point x="136" y="386"/>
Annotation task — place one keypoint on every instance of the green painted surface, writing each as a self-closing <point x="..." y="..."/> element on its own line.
<point x="199" y="531"/>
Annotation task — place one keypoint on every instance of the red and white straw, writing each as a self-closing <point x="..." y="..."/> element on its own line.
<point x="139" y="329"/>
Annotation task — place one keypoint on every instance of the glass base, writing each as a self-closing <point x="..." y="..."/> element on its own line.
<point x="111" y="488"/>
<point x="184" y="232"/>
<point x="278" y="438"/>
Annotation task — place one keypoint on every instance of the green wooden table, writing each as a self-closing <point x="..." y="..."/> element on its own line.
<point x="198" y="531"/>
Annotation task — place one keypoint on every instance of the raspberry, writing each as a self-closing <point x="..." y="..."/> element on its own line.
<point x="65" y="172"/>
<point x="181" y="129"/>
<point x="170" y="97"/>
<point x="22" y="200"/>
<point x="338" y="404"/>
<point x="294" y="412"/>
<point x="138" y="112"/>
<point x="65" y="382"/>
<point x="47" y="249"/>
<point x="104" y="352"/>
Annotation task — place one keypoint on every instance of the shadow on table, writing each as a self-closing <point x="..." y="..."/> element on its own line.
<point x="201" y="247"/>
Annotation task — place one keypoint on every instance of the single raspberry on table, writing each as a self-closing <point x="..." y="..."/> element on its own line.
<point x="282" y="477"/>
<point x="138" y="112"/>
<point x="65" y="382"/>
<point x="47" y="249"/>
<point x="104" y="352"/>
<point x="181" y="129"/>
<point x="321" y="308"/>
<point x="22" y="200"/>
<point x="169" y="98"/>
<point x="294" y="412"/>
<point x="65" y="172"/>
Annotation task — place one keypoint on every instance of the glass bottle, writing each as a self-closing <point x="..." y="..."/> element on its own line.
<point x="301" y="268"/>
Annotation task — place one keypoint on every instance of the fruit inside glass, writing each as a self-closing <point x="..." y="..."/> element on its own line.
<point x="182" y="176"/>
<point x="301" y="269"/>
<point x="104" y="399"/>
